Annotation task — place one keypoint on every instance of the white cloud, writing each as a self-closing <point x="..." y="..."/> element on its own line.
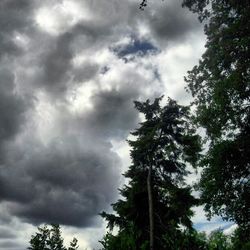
<point x="230" y="229"/>
<point x="56" y="18"/>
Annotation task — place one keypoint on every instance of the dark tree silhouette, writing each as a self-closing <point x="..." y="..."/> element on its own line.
<point x="49" y="238"/>
<point x="220" y="84"/>
<point x="156" y="202"/>
<point x="143" y="4"/>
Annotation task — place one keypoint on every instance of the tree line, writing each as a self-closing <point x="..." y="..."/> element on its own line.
<point x="154" y="211"/>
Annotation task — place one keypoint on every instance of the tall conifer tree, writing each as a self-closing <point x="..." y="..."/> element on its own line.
<point x="156" y="203"/>
<point x="50" y="238"/>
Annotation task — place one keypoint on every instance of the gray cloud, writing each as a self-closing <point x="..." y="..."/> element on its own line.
<point x="56" y="73"/>
<point x="85" y="72"/>
<point x="10" y="245"/>
<point x="56" y="64"/>
<point x="76" y="175"/>
<point x="13" y="108"/>
<point x="113" y="113"/>
<point x="5" y="217"/>
<point x="6" y="233"/>
<point x="53" y="64"/>
<point x="172" y="23"/>
<point x="168" y="23"/>
<point x="14" y="16"/>
<point x="64" y="183"/>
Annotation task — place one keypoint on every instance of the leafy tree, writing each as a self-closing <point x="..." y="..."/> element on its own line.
<point x="124" y="240"/>
<point x="194" y="240"/>
<point x="49" y="238"/>
<point x="164" y="143"/>
<point x="218" y="241"/>
<point x="220" y="84"/>
<point x="240" y="240"/>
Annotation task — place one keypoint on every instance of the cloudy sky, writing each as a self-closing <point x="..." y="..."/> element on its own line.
<point x="69" y="72"/>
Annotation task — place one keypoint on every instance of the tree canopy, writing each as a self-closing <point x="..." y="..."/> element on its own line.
<point x="220" y="85"/>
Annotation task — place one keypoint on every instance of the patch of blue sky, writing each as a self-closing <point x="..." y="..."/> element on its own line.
<point x="135" y="47"/>
<point x="216" y="224"/>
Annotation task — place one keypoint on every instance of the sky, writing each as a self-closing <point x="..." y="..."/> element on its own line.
<point x="69" y="73"/>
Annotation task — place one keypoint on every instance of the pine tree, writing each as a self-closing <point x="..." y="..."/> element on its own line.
<point x="156" y="203"/>
<point x="49" y="238"/>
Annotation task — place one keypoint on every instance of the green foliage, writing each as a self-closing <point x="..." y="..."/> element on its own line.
<point x="225" y="180"/>
<point x="124" y="240"/>
<point x="218" y="241"/>
<point x="194" y="240"/>
<point x="49" y="238"/>
<point x="165" y="141"/>
<point x="240" y="239"/>
<point x="185" y="240"/>
<point x="220" y="84"/>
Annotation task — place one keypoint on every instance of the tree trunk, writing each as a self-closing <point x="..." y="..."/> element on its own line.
<point x="150" y="207"/>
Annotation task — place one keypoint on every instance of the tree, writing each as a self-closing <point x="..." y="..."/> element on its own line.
<point x="240" y="240"/>
<point x="156" y="202"/>
<point x="217" y="240"/>
<point x="49" y="238"/>
<point x="220" y="85"/>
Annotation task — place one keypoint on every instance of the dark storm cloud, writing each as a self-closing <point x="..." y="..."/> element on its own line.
<point x="56" y="64"/>
<point x="10" y="245"/>
<point x="85" y="72"/>
<point x="14" y="16"/>
<point x="76" y="176"/>
<point x="6" y="233"/>
<point x="5" y="217"/>
<point x="171" y="23"/>
<point x="11" y="105"/>
<point x="66" y="183"/>
<point x="12" y="108"/>
<point x="57" y="73"/>
<point x="114" y="114"/>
